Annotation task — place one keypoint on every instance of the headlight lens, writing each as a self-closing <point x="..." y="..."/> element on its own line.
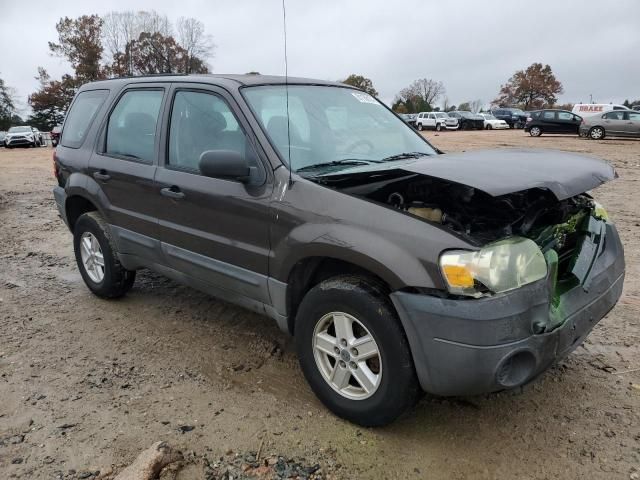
<point x="600" y="212"/>
<point x="498" y="267"/>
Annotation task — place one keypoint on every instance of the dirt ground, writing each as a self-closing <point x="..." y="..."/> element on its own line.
<point x="86" y="384"/>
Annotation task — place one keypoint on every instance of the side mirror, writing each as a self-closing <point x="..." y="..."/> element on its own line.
<point x="226" y="164"/>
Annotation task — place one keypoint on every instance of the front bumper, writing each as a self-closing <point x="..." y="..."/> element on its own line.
<point x="15" y="142"/>
<point x="474" y="346"/>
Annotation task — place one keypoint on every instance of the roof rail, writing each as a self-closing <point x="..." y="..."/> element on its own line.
<point x="151" y="75"/>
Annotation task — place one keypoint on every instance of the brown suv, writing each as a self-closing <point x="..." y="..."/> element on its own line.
<point x="396" y="268"/>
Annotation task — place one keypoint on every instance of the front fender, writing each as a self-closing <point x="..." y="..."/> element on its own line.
<point x="381" y="256"/>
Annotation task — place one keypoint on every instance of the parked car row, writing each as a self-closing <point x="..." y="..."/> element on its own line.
<point x="619" y="121"/>
<point x="21" y="136"/>
<point x="463" y="120"/>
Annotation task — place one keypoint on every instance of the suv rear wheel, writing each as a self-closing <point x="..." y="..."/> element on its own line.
<point x="420" y="126"/>
<point x="97" y="258"/>
<point x="353" y="351"/>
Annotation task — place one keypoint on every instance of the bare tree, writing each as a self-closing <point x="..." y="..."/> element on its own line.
<point x="118" y="31"/>
<point x="153" y="22"/>
<point x="475" y="105"/>
<point x="192" y="37"/>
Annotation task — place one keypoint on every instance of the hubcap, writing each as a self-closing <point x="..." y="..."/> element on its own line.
<point x="347" y="355"/>
<point x="535" y="131"/>
<point x="596" y="133"/>
<point x="92" y="257"/>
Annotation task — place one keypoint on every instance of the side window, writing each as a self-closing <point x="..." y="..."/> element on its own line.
<point x="80" y="117"/>
<point x="635" y="116"/>
<point x="614" y="115"/>
<point x="131" y="131"/>
<point x="565" y="116"/>
<point x="548" y="115"/>
<point x="199" y="122"/>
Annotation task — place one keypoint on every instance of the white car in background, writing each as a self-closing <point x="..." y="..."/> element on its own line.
<point x="492" y="123"/>
<point x="436" y="121"/>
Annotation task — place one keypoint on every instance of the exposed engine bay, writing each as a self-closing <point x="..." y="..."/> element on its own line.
<point x="466" y="210"/>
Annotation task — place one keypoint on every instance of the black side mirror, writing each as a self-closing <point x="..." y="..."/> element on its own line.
<point x="226" y="164"/>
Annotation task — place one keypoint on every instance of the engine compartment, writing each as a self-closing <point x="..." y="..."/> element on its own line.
<point x="478" y="216"/>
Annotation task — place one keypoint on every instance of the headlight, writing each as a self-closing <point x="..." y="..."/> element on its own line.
<point x="498" y="267"/>
<point x="600" y="212"/>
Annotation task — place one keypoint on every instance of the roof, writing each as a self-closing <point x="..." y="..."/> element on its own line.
<point x="217" y="79"/>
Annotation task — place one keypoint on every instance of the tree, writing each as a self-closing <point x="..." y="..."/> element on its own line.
<point x="79" y="41"/>
<point x="476" y="106"/>
<point x="50" y="102"/>
<point x="7" y="105"/>
<point x="198" y="44"/>
<point x="465" y="107"/>
<point x="532" y="88"/>
<point x="420" y="95"/>
<point x="155" y="53"/>
<point x="363" y="83"/>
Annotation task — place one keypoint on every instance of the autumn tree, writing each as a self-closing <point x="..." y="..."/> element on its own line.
<point x="79" y="42"/>
<point x="361" y="82"/>
<point x="7" y="105"/>
<point x="50" y="102"/>
<point x="532" y="88"/>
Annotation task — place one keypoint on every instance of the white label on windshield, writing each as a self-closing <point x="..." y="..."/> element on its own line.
<point x="364" y="97"/>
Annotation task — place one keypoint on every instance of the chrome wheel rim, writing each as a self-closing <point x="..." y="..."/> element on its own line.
<point x="596" y="133"/>
<point x="535" y="131"/>
<point x="347" y="356"/>
<point x="92" y="257"/>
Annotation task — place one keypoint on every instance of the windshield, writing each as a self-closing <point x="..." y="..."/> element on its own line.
<point x="19" y="129"/>
<point x="331" y="124"/>
<point x="489" y="117"/>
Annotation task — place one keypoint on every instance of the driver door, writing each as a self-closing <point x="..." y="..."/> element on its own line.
<point x="212" y="229"/>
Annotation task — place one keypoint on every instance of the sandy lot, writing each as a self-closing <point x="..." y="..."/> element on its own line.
<point x="85" y="384"/>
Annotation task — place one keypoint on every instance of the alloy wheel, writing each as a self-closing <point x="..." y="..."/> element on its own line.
<point x="92" y="257"/>
<point x="347" y="355"/>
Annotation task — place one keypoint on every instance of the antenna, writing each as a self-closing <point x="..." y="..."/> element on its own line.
<point x="286" y="87"/>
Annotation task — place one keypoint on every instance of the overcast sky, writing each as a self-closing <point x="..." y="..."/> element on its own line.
<point x="593" y="46"/>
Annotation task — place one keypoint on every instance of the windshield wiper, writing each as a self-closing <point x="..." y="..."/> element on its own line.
<point x="344" y="161"/>
<point x="404" y="156"/>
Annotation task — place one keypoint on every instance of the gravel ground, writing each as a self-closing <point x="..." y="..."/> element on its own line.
<point x="86" y="384"/>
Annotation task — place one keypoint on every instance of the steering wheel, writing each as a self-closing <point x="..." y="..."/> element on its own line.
<point x="359" y="143"/>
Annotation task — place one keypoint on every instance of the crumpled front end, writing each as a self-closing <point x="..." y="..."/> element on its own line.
<point x="479" y="345"/>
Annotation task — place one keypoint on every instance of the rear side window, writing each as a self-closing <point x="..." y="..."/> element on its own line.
<point x="615" y="115"/>
<point x="80" y="117"/>
<point x="549" y="115"/>
<point x="565" y="116"/>
<point x="131" y="131"/>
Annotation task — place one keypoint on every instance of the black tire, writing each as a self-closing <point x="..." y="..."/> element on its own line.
<point x="535" y="131"/>
<point x="597" y="133"/>
<point x="117" y="280"/>
<point x="420" y="126"/>
<point x="367" y="301"/>
<point x="438" y="127"/>
<point x="488" y="127"/>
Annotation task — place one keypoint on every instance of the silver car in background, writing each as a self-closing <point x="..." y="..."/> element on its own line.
<point x="617" y="123"/>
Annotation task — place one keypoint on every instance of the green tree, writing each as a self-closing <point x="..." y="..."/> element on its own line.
<point x="7" y="105"/>
<point x="465" y="107"/>
<point x="532" y="88"/>
<point x="363" y="83"/>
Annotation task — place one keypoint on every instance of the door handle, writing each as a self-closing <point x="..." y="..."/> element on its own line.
<point x="102" y="175"/>
<point x="172" y="192"/>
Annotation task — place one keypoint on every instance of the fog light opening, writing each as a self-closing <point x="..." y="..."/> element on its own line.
<point x="516" y="369"/>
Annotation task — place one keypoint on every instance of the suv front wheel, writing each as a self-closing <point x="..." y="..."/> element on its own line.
<point x="97" y="258"/>
<point x="353" y="351"/>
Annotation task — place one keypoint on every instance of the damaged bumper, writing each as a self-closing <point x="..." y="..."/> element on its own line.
<point x="473" y="346"/>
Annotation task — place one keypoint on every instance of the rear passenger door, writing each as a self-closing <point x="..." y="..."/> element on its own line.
<point x="632" y="124"/>
<point x="549" y="121"/>
<point x="212" y="229"/>
<point x="614" y="122"/>
<point x="124" y="165"/>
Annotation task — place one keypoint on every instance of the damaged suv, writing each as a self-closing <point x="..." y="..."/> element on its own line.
<point x="397" y="269"/>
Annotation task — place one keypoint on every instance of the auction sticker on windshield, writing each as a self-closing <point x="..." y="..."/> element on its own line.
<point x="364" y="98"/>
